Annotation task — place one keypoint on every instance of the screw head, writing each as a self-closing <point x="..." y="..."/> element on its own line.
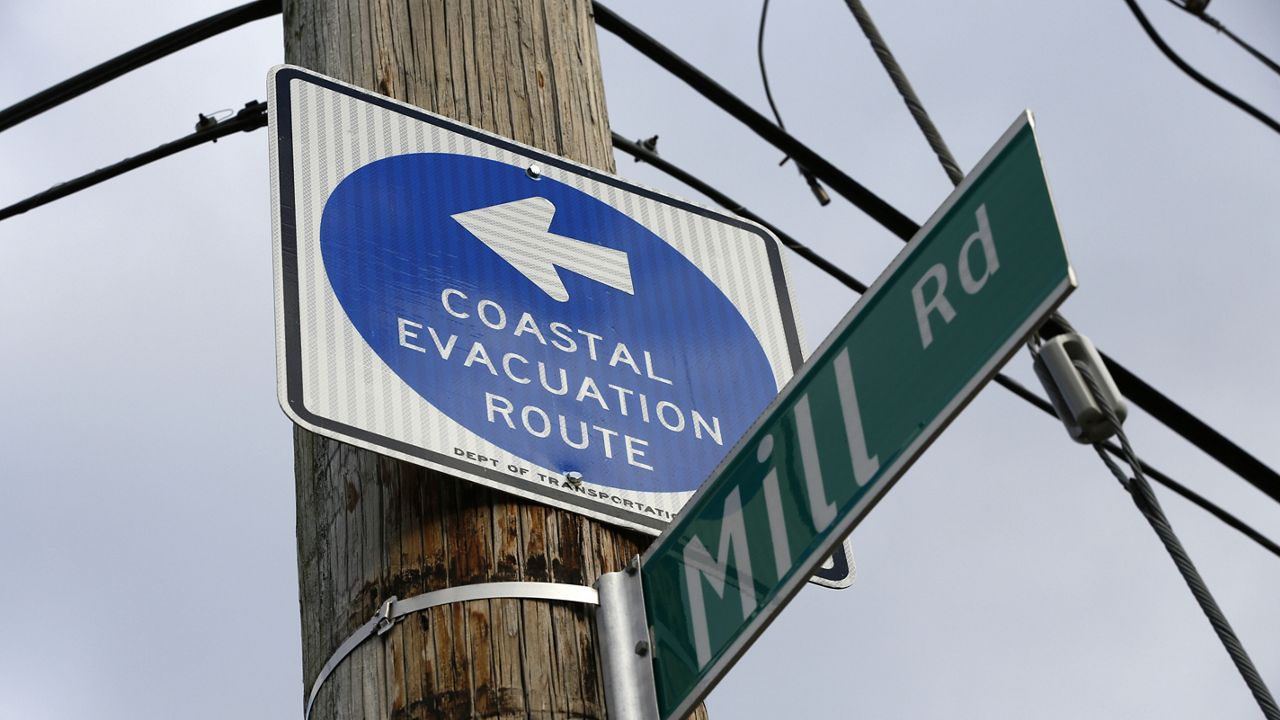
<point x="534" y="171"/>
<point x="574" y="477"/>
<point x="642" y="648"/>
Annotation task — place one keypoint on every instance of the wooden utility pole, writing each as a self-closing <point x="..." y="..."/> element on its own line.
<point x="370" y="527"/>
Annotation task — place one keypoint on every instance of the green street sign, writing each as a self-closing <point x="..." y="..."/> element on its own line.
<point x="986" y="269"/>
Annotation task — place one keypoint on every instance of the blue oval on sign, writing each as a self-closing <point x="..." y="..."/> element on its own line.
<point x="643" y="387"/>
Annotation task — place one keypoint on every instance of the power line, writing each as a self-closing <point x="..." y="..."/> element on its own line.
<point x="1141" y="393"/>
<point x="1138" y="487"/>
<point x="1238" y="460"/>
<point x="1204" y="504"/>
<point x="132" y="60"/>
<point x="251" y="117"/>
<point x="1147" y="397"/>
<point x="1184" y="423"/>
<point x="814" y="186"/>
<point x="764" y="72"/>
<point x="1226" y="451"/>
<point x="1207" y="19"/>
<point x="853" y="191"/>
<point x="1195" y="74"/>
<point x="643" y="153"/>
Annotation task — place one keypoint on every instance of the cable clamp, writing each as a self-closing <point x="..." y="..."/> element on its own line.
<point x="1081" y="402"/>
<point x="386" y="616"/>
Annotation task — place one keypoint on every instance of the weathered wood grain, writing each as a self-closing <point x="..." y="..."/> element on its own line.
<point x="370" y="527"/>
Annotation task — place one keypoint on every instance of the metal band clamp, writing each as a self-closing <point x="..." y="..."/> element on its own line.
<point x="394" y="609"/>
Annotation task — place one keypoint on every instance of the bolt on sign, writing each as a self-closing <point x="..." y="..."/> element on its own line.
<point x="956" y="303"/>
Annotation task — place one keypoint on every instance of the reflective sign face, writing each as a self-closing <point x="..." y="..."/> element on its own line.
<point x="958" y="301"/>
<point x="467" y="303"/>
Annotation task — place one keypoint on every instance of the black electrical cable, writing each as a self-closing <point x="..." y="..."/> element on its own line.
<point x="1195" y="74"/>
<point x="1164" y="409"/>
<point x="1184" y="423"/>
<point x="1142" y="493"/>
<point x="251" y="117"/>
<point x="132" y="60"/>
<point x="814" y="186"/>
<point x="643" y="153"/>
<point x="764" y="72"/>
<point x="1161" y="407"/>
<point x="1157" y="403"/>
<point x="1213" y="22"/>
<point x="853" y="191"/>
<point x="1204" y="504"/>
<point x="1142" y="394"/>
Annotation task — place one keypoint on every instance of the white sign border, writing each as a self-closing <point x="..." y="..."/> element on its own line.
<point x="284" y="210"/>
<point x="845" y="524"/>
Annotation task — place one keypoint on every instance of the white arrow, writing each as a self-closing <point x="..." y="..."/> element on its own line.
<point x="517" y="231"/>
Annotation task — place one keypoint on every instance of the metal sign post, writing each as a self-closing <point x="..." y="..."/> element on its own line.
<point x="625" y="650"/>
<point x="986" y="269"/>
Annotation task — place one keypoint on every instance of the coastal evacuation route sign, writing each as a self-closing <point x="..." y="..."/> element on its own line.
<point x="460" y="301"/>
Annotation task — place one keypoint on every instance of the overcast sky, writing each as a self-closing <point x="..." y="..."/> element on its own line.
<point x="146" y="485"/>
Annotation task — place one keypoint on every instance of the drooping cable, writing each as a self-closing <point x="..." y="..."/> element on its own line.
<point x="251" y="117"/>
<point x="848" y="188"/>
<point x="1194" y="74"/>
<point x="1149" y="506"/>
<point x="1177" y="487"/>
<point x="764" y="71"/>
<point x="1141" y="393"/>
<point x="1211" y="21"/>
<point x="908" y="93"/>
<point x="132" y="60"/>
<point x="643" y="153"/>
<point x="814" y="186"/>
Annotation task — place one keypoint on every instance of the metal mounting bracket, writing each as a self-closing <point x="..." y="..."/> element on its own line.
<point x="626" y="653"/>
<point x="393" y="610"/>
<point x="1073" y="399"/>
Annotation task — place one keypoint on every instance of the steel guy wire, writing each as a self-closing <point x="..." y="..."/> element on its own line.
<point x="1145" y="499"/>
<point x="931" y="134"/>
<point x="644" y="153"/>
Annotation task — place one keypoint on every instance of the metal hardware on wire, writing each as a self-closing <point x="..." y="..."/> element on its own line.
<point x="626" y="655"/>
<point x="394" y="609"/>
<point x="1065" y="367"/>
<point x="1073" y="400"/>
<point x="204" y="122"/>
